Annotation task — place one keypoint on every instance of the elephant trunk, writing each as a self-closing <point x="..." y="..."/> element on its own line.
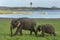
<point x="11" y="30"/>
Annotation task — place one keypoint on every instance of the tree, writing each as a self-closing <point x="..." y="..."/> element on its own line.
<point x="31" y="4"/>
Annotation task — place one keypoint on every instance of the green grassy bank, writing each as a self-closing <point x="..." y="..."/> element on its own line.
<point x="5" y="31"/>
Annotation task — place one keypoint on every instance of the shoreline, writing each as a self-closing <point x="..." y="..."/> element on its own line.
<point x="15" y="12"/>
<point x="33" y="18"/>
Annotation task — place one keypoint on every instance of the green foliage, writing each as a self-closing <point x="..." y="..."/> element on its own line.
<point x="5" y="31"/>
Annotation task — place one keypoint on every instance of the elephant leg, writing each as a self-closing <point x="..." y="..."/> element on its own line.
<point x="20" y="31"/>
<point x="30" y="32"/>
<point x="54" y="34"/>
<point x="42" y="34"/>
<point x="50" y="34"/>
<point x="35" y="31"/>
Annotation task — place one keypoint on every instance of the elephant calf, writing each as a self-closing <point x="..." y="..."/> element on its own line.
<point x="46" y="28"/>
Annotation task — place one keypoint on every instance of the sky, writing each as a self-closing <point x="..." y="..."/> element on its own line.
<point x="26" y="3"/>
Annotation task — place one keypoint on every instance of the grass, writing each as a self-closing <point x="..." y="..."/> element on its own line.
<point x="5" y="31"/>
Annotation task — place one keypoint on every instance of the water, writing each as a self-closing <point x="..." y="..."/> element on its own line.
<point x="35" y="14"/>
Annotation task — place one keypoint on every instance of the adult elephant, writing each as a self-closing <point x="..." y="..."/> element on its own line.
<point x="23" y="23"/>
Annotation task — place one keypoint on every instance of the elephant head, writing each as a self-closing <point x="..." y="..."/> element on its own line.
<point x="14" y="23"/>
<point x="39" y="28"/>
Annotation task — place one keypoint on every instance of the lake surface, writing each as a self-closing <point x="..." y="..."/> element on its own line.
<point x="35" y="14"/>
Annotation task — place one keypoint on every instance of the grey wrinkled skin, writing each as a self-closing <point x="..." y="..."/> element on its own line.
<point x="23" y="23"/>
<point x="46" y="28"/>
